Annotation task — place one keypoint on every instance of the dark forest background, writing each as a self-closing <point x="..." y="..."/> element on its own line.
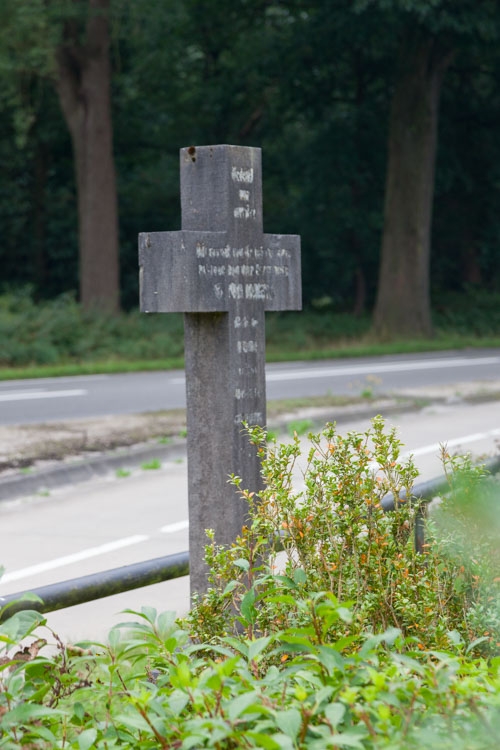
<point x="345" y="98"/>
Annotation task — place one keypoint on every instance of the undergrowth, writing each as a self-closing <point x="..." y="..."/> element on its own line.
<point x="323" y="628"/>
<point x="325" y="510"/>
<point x="58" y="332"/>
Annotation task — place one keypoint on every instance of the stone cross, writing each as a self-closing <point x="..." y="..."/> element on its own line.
<point x="223" y="272"/>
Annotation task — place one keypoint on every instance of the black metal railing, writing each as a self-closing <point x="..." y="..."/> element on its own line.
<point x="99" y="585"/>
<point x="128" y="577"/>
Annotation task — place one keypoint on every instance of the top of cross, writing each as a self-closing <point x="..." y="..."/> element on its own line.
<point x="221" y="257"/>
<point x="221" y="189"/>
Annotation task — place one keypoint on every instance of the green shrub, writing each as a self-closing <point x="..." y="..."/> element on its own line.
<point x="59" y="331"/>
<point x="337" y="538"/>
<point x="357" y="642"/>
<point x="471" y="312"/>
<point x="294" y="689"/>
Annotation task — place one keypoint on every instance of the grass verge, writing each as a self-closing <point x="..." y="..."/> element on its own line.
<point x="56" y="337"/>
<point x="274" y="354"/>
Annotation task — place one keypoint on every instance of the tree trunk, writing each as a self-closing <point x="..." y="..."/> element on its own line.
<point x="402" y="307"/>
<point x="83" y="85"/>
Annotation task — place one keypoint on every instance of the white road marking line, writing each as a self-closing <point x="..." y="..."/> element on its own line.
<point x="172" y="527"/>
<point x="431" y="364"/>
<point x="181" y="525"/>
<point x="84" y="554"/>
<point x="436" y="447"/>
<point x="25" y="395"/>
<point x="368" y="369"/>
<point x="75" y="379"/>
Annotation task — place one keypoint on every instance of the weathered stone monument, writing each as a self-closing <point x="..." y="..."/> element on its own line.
<point x="223" y="272"/>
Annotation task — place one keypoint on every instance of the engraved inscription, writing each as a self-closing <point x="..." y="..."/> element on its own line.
<point x="247" y="347"/>
<point x="244" y="322"/>
<point x="242" y="175"/>
<point x="245" y="212"/>
<point x="250" y="270"/>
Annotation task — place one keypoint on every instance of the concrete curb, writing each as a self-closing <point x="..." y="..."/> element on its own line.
<point x="84" y="469"/>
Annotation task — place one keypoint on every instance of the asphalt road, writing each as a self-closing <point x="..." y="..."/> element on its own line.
<point x="107" y="523"/>
<point x="56" y="399"/>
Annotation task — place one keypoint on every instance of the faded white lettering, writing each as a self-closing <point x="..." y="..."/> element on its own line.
<point x="236" y="291"/>
<point x="219" y="291"/>
<point x="247" y="347"/>
<point x="245" y="212"/>
<point x="244" y="322"/>
<point x="256" y="291"/>
<point x="242" y="175"/>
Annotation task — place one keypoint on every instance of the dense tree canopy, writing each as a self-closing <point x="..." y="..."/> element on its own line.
<point x="313" y="83"/>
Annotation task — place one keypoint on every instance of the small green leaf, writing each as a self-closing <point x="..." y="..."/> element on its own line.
<point x="255" y="647"/>
<point x="330" y="659"/>
<point x="476" y="643"/>
<point x="195" y="740"/>
<point x="87" y="738"/>
<point x="299" y="576"/>
<point x="455" y="637"/>
<point x="348" y="739"/>
<point x="25" y="712"/>
<point x="264" y="741"/>
<point x="230" y="587"/>
<point x="177" y="701"/>
<point x="239" y="704"/>
<point x="184" y="674"/>
<point x="242" y="563"/>
<point x="289" y="722"/>
<point x="334" y="712"/>
<point x="287" y="581"/>
<point x="247" y="606"/>
<point x="79" y="711"/>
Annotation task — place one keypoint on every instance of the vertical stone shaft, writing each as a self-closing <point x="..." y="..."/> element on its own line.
<point x="224" y="353"/>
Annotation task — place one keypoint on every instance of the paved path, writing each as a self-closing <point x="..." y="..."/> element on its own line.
<point x="56" y="399"/>
<point x="112" y="522"/>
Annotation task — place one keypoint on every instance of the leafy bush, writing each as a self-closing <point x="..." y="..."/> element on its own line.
<point x="60" y="331"/>
<point x="358" y="641"/>
<point x="337" y="538"/>
<point x="294" y="689"/>
<point x="471" y="311"/>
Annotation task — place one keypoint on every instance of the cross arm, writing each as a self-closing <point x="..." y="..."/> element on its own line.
<point x="182" y="271"/>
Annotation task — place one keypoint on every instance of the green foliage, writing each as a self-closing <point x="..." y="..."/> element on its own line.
<point x="299" y="427"/>
<point x="186" y="72"/>
<point x="122" y="473"/>
<point x="471" y="312"/>
<point x="153" y="464"/>
<point x="164" y="440"/>
<point x="357" y="641"/>
<point x="338" y="539"/>
<point x="153" y="689"/>
<point x="59" y="330"/>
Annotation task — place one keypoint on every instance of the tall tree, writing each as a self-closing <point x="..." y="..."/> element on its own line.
<point x="67" y="43"/>
<point x="403" y="305"/>
<point x="430" y="34"/>
<point x="83" y="83"/>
